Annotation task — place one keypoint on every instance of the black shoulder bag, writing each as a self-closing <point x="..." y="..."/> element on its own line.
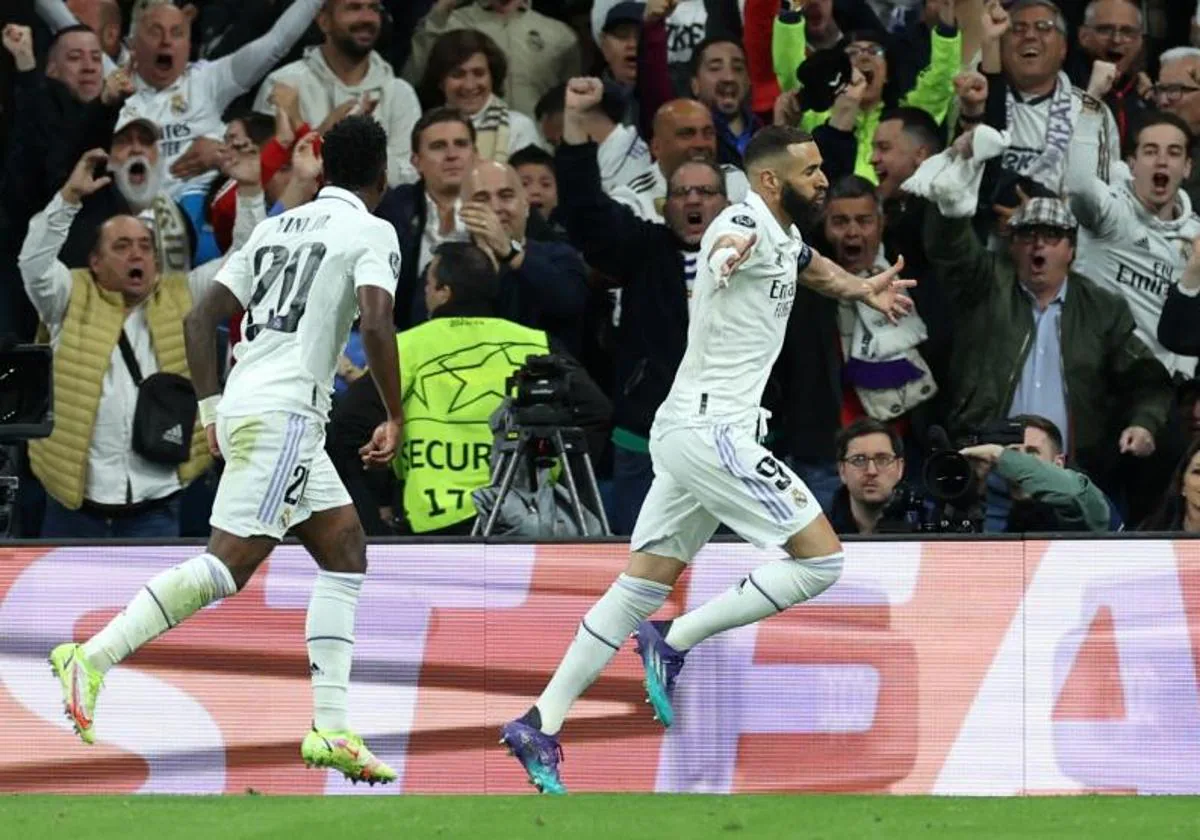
<point x="165" y="414"/>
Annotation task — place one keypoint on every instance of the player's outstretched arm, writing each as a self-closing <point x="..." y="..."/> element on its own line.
<point x="884" y="291"/>
<point x="378" y="335"/>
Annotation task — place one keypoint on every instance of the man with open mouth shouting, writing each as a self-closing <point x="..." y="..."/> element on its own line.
<point x="1112" y="35"/>
<point x="186" y="98"/>
<point x="1136" y="236"/>
<point x="1057" y="345"/>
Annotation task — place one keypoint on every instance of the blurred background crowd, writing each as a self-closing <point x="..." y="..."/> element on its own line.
<point x="1033" y="162"/>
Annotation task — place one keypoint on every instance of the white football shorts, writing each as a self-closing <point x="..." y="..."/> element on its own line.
<point x="276" y="476"/>
<point x="707" y="475"/>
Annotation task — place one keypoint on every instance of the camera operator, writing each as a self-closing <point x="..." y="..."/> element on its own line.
<point x="870" y="464"/>
<point x="453" y="371"/>
<point x="1046" y="495"/>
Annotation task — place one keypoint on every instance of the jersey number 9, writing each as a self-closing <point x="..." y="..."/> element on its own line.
<point x="273" y="264"/>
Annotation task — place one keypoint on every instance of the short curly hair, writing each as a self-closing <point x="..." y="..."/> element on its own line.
<point x="355" y="153"/>
<point x="450" y="51"/>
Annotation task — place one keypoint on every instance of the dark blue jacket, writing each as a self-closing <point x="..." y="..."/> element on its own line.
<point x="548" y="292"/>
<point x="644" y="259"/>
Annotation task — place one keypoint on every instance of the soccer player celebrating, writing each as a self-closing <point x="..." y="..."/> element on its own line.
<point x="708" y="465"/>
<point x="301" y="279"/>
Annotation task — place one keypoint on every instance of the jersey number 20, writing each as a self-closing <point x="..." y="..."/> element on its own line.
<point x="273" y="263"/>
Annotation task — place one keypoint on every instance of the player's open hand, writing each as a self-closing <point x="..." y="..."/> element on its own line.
<point x="885" y="292"/>
<point x="381" y="449"/>
<point x="738" y="247"/>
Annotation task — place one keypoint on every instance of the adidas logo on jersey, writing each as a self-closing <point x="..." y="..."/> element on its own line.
<point x="1143" y="243"/>
<point x="174" y="434"/>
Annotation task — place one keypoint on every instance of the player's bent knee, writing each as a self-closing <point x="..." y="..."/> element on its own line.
<point x="241" y="555"/>
<point x="655" y="567"/>
<point x="816" y="539"/>
<point x="816" y="574"/>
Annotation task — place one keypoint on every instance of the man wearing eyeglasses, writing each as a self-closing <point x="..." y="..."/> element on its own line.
<point x="1034" y="337"/>
<point x="1110" y="57"/>
<point x="1050" y="120"/>
<point x="1178" y="92"/>
<point x="870" y="464"/>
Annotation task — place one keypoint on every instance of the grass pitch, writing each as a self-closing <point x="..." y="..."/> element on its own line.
<point x="598" y="817"/>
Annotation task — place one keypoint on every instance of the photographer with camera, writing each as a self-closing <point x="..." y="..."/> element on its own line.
<point x="454" y="372"/>
<point x="1045" y="494"/>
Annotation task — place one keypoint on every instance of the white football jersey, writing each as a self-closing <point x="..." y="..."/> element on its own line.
<point x="189" y="108"/>
<point x="297" y="278"/>
<point x="736" y="331"/>
<point x="1094" y="140"/>
<point x="1131" y="252"/>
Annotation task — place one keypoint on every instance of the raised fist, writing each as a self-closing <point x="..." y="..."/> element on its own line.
<point x="1104" y="73"/>
<point x="583" y="94"/>
<point x="972" y="91"/>
<point x="18" y="40"/>
<point x="995" y="21"/>
<point x="118" y="85"/>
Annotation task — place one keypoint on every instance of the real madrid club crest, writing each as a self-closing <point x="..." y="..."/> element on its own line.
<point x="178" y="103"/>
<point x="799" y="498"/>
<point x="1186" y="249"/>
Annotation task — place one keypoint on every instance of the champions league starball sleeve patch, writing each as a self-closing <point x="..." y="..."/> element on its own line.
<point x="394" y="264"/>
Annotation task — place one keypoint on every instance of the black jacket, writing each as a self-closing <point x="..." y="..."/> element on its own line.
<point x="548" y="292"/>
<point x="48" y="131"/>
<point x="644" y="259"/>
<point x="1179" y="324"/>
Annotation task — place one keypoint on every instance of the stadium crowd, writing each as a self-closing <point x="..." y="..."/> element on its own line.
<point x="1033" y="163"/>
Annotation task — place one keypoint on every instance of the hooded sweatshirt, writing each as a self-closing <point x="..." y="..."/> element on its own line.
<point x="1130" y="251"/>
<point x="321" y="91"/>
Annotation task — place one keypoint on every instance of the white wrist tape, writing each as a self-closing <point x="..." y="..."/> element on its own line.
<point x="208" y="410"/>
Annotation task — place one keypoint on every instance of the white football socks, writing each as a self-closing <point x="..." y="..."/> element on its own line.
<point x="329" y="631"/>
<point x="168" y="599"/>
<point x="769" y="589"/>
<point x="607" y="625"/>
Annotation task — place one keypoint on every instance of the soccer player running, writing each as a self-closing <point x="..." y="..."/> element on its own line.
<point x="301" y="279"/>
<point x="708" y="465"/>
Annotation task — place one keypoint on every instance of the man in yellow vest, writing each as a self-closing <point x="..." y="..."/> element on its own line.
<point x="96" y="485"/>
<point x="453" y="370"/>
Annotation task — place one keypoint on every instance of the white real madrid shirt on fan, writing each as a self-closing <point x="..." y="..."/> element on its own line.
<point x="1130" y="251"/>
<point x="1066" y="125"/>
<point x="736" y="330"/>
<point x="191" y="107"/>
<point x="297" y="279"/>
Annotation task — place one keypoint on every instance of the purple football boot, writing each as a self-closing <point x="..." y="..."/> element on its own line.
<point x="662" y="664"/>
<point x="538" y="753"/>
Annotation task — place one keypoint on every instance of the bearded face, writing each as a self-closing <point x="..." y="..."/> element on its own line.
<point x="136" y="168"/>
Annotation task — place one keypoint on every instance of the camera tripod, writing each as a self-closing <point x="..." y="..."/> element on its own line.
<point x="537" y="447"/>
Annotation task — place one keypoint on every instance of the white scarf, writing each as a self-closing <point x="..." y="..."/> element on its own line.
<point x="1051" y="165"/>
<point x="952" y="182"/>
